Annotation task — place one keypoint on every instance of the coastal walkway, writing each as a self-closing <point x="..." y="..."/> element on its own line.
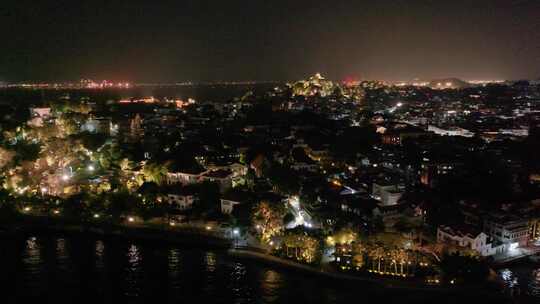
<point x="519" y="254"/>
<point x="329" y="273"/>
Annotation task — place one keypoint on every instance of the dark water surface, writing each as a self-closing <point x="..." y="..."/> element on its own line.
<point x="61" y="269"/>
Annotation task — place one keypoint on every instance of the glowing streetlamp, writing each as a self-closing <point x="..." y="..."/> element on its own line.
<point x="131" y="219"/>
<point x="91" y="168"/>
<point x="96" y="216"/>
<point x="236" y="233"/>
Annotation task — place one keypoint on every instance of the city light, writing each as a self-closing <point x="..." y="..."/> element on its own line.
<point x="426" y="185"/>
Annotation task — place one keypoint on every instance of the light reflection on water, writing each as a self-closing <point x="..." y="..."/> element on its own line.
<point x="32" y="256"/>
<point x="534" y="284"/>
<point x="133" y="272"/>
<point x="33" y="265"/>
<point x="210" y="277"/>
<point x="210" y="261"/>
<point x="62" y="255"/>
<point x="271" y="283"/>
<point x="113" y="271"/>
<point x="174" y="268"/>
<point x="100" y="254"/>
<point x="508" y="277"/>
<point x="239" y="286"/>
<point x="521" y="279"/>
<point x="134" y="257"/>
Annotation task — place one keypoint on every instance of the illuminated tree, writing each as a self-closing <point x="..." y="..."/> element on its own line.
<point x="358" y="252"/>
<point x="126" y="164"/>
<point x="343" y="236"/>
<point x="109" y="156"/>
<point x="305" y="248"/>
<point x="6" y="157"/>
<point x="268" y="220"/>
<point x="154" y="172"/>
<point x="376" y="254"/>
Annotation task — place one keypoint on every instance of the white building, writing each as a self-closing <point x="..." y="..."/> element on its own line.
<point x="227" y="206"/>
<point x="225" y="177"/>
<point x="507" y="229"/>
<point x="476" y="241"/>
<point x="450" y="131"/>
<point x="523" y="132"/>
<point x="179" y="201"/>
<point x="182" y="178"/>
<point x="387" y="194"/>
<point x="97" y="125"/>
<point x="38" y="116"/>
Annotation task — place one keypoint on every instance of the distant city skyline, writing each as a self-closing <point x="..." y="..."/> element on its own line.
<point x="140" y="41"/>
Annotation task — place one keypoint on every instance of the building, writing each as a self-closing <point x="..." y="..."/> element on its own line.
<point x="454" y="131"/>
<point x="97" y="125"/>
<point x="223" y="177"/>
<point x="432" y="171"/>
<point x="510" y="230"/>
<point x="387" y="193"/>
<point x="38" y="116"/>
<point x="180" y="201"/>
<point x="467" y="238"/>
<point x="227" y="206"/>
<point x="184" y="178"/>
<point x="397" y="133"/>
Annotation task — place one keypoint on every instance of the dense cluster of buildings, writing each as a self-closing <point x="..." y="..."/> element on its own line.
<point x="369" y="155"/>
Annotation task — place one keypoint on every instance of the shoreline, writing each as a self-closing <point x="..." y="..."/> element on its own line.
<point x="383" y="283"/>
<point x="185" y="237"/>
<point x="196" y="238"/>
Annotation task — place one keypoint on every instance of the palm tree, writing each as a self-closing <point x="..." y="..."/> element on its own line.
<point x="398" y="256"/>
<point x="358" y="254"/>
<point x="154" y="172"/>
<point x="377" y="253"/>
<point x="126" y="164"/>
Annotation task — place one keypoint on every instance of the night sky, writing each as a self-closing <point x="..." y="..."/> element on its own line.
<point x="204" y="40"/>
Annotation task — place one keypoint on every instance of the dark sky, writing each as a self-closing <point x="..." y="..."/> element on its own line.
<point x="205" y="40"/>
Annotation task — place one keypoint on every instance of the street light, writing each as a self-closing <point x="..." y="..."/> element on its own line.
<point x="96" y="216"/>
<point x="236" y="233"/>
<point x="91" y="168"/>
